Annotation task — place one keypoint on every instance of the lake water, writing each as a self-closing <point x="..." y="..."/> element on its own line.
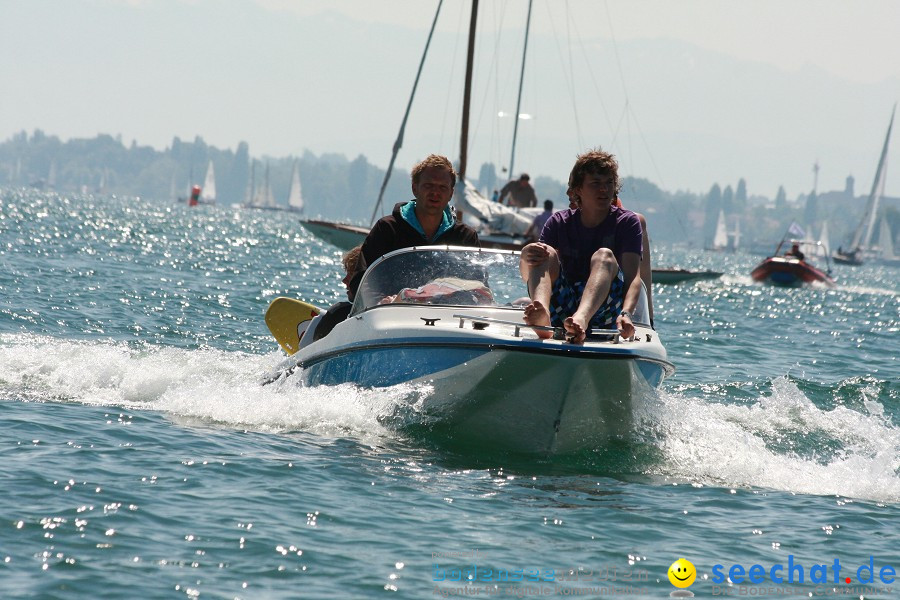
<point x="141" y="457"/>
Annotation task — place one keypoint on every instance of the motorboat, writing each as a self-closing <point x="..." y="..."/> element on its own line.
<point x="791" y="270"/>
<point x="450" y="319"/>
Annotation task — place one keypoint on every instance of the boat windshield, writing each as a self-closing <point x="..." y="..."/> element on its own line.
<point x="464" y="277"/>
<point x="451" y="276"/>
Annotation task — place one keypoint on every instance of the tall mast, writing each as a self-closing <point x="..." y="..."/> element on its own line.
<point x="399" y="141"/>
<point x="867" y="224"/>
<point x="467" y="93"/>
<point x="512" y="157"/>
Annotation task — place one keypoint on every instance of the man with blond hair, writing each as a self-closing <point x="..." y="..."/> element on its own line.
<point x="423" y="221"/>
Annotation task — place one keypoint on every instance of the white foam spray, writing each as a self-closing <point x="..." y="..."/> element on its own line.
<point x="206" y="384"/>
<point x="782" y="441"/>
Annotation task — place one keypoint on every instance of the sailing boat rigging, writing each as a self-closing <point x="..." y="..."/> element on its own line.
<point x="501" y="226"/>
<point x="493" y="216"/>
<point x="263" y="197"/>
<point x="860" y="246"/>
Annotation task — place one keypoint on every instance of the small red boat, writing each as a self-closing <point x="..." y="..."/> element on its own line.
<point x="791" y="269"/>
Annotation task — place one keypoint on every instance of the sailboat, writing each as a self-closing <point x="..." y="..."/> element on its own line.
<point x="208" y="193"/>
<point x="499" y="226"/>
<point x="886" y="244"/>
<point x="263" y="197"/>
<point x="823" y="249"/>
<point x="295" y="197"/>
<point x="862" y="236"/>
<point x="736" y="235"/>
<point x="720" y="238"/>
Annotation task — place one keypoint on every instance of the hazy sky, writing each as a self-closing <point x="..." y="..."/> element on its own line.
<point x="687" y="93"/>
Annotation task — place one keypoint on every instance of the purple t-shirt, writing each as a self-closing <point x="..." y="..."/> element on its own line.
<point x="575" y="243"/>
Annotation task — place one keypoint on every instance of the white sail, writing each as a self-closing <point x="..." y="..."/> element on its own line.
<point x="251" y="186"/>
<point x="886" y="241"/>
<point x="808" y="236"/>
<point x="295" y="197"/>
<point x="264" y="197"/>
<point x="862" y="238"/>
<point x="736" y="234"/>
<point x="208" y="194"/>
<point x="720" y="239"/>
<point x="494" y="216"/>
<point x="270" y="197"/>
<point x="823" y="250"/>
<point x="261" y="194"/>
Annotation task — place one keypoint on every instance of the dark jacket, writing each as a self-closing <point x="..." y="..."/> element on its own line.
<point x="336" y="313"/>
<point x="393" y="232"/>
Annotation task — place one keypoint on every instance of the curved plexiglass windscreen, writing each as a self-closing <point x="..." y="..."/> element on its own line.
<point x="448" y="277"/>
<point x="451" y="277"/>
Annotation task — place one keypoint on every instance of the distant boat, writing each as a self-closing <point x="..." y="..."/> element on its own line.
<point x="194" y="198"/>
<point x="263" y="198"/>
<point x="208" y="193"/>
<point x="825" y="239"/>
<point x="295" y="197"/>
<point x="342" y="235"/>
<point x="736" y="235"/>
<point x="720" y="238"/>
<point x="791" y="270"/>
<point x="860" y="246"/>
<point x="670" y="275"/>
<point x="886" y="245"/>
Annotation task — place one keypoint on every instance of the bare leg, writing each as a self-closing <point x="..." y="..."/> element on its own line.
<point x="539" y="266"/>
<point x="603" y="268"/>
<point x="647" y="266"/>
<point x="537" y="314"/>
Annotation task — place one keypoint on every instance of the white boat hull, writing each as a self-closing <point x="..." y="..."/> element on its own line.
<point x="490" y="387"/>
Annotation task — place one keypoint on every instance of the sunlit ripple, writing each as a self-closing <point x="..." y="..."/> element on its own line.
<point x="141" y="455"/>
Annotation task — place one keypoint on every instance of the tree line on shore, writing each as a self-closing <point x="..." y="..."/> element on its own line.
<point x="338" y="188"/>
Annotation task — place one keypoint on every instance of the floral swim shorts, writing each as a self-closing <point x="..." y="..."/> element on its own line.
<point x="565" y="298"/>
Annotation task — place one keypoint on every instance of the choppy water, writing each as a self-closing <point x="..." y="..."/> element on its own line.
<point x="140" y="457"/>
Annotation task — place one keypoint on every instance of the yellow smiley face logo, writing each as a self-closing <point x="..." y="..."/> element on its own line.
<point x="682" y="573"/>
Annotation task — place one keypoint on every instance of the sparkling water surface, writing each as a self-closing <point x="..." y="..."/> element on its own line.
<point x="141" y="457"/>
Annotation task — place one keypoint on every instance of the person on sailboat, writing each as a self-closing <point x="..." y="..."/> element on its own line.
<point x="427" y="219"/>
<point x="520" y="192"/>
<point x="533" y="233"/>
<point x="584" y="272"/>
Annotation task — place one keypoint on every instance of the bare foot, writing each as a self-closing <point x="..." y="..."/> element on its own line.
<point x="537" y="314"/>
<point x="576" y="330"/>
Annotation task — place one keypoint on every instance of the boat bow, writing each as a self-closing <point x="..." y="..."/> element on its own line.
<point x="452" y="325"/>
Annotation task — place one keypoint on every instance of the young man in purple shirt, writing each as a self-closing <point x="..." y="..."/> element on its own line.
<point x="583" y="273"/>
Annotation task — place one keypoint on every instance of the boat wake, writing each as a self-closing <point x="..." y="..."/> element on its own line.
<point x="712" y="435"/>
<point x="190" y="386"/>
<point x="783" y="441"/>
